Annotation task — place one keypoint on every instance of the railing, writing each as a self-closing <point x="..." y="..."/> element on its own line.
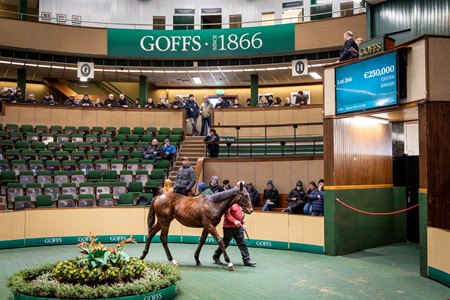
<point x="289" y="145"/>
<point x="356" y="10"/>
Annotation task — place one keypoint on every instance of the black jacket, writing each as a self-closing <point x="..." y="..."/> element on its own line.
<point x="272" y="195"/>
<point x="215" y="188"/>
<point x="346" y="53"/>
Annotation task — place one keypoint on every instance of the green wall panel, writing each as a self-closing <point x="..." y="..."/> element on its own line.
<point x="408" y="19"/>
<point x="347" y="231"/>
<point x="423" y="224"/>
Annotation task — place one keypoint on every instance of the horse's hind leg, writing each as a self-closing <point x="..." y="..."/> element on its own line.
<point x="200" y="245"/>
<point x="163" y="237"/>
<point x="150" y="236"/>
<point x="215" y="234"/>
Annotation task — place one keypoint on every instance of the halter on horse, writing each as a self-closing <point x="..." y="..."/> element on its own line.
<point x="199" y="212"/>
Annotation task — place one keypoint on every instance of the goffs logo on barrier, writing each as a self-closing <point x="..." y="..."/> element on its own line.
<point x="154" y="297"/>
<point x="53" y="241"/>
<point x="117" y="238"/>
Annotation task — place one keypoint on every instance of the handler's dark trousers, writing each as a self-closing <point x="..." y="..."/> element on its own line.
<point x="238" y="235"/>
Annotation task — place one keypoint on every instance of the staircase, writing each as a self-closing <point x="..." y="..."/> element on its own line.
<point x="193" y="147"/>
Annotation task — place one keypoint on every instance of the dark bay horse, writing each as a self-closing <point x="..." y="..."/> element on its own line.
<point x="199" y="212"/>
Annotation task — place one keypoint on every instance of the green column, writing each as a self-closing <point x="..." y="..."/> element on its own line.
<point x="254" y="89"/>
<point x="22" y="80"/>
<point x="23" y="9"/>
<point x="142" y="89"/>
<point x="369" y="22"/>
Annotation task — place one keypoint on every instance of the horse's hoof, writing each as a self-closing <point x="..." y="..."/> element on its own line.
<point x="230" y="267"/>
<point x="199" y="264"/>
<point x="175" y="263"/>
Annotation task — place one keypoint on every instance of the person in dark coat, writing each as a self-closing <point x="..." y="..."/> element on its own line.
<point x="317" y="198"/>
<point x="254" y="196"/>
<point x="185" y="178"/>
<point x="192" y="112"/>
<point x="311" y="187"/>
<point x="153" y="151"/>
<point x="296" y="199"/>
<point x="19" y="97"/>
<point x="270" y="197"/>
<point x="350" y="49"/>
<point x="213" y="146"/>
<point x="214" y="185"/>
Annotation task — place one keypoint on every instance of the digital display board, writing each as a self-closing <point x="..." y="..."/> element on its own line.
<point x="367" y="84"/>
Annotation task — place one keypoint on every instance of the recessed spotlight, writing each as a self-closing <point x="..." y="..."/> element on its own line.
<point x="197" y="80"/>
<point x="315" y="75"/>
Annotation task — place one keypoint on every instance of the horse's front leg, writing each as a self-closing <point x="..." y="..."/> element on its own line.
<point x="200" y="245"/>
<point x="163" y="237"/>
<point x="212" y="230"/>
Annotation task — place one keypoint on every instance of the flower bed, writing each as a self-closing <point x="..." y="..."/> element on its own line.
<point x="101" y="273"/>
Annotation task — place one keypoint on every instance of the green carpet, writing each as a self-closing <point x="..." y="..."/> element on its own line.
<point x="390" y="272"/>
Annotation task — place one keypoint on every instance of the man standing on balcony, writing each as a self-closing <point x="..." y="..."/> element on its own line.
<point x="205" y="111"/>
<point x="350" y="49"/>
<point x="192" y="111"/>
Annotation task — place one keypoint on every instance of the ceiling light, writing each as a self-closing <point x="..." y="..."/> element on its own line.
<point x="109" y="70"/>
<point x="181" y="71"/>
<point x="203" y="71"/>
<point x="227" y="71"/>
<point x="44" y="66"/>
<point x="215" y="71"/>
<point x="83" y="79"/>
<point x="170" y="71"/>
<point x="238" y="70"/>
<point x="316" y="65"/>
<point x="98" y="70"/>
<point x="17" y="63"/>
<point x="71" y="68"/>
<point x="260" y="69"/>
<point x="158" y="71"/>
<point x="270" y="69"/>
<point x="249" y="70"/>
<point x="197" y="80"/>
<point x="282" y="68"/>
<point x="371" y="120"/>
<point x="315" y="75"/>
<point x="193" y="71"/>
<point x="134" y="71"/>
<point x="58" y="67"/>
<point x="146" y="71"/>
<point x="4" y="62"/>
<point x="30" y="65"/>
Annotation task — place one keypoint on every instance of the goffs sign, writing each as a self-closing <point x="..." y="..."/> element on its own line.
<point x="300" y="67"/>
<point x="85" y="69"/>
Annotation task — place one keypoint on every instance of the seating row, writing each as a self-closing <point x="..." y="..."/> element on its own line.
<point x="84" y="200"/>
<point x="34" y="141"/>
<point x="56" y="129"/>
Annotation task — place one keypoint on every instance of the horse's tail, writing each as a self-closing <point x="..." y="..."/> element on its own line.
<point x="168" y="186"/>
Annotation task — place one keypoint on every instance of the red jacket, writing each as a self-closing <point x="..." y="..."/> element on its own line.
<point x="233" y="213"/>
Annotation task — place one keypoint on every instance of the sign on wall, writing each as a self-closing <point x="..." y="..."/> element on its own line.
<point x="300" y="67"/>
<point x="248" y="41"/>
<point x="85" y="69"/>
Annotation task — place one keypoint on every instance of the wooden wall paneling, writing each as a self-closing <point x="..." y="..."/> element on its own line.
<point x="282" y="175"/>
<point x="306" y="230"/>
<point x="89" y="117"/>
<point x="73" y="117"/>
<point x="42" y="116"/>
<point x="267" y="226"/>
<point x="12" y="225"/>
<point x="362" y="153"/>
<point x="272" y="117"/>
<point x="438" y="241"/>
<point x="315" y="170"/>
<point x="299" y="171"/>
<point x="27" y="115"/>
<point x="247" y="171"/>
<point x="59" y="117"/>
<point x="104" y="118"/>
<point x="423" y="148"/>
<point x="133" y="119"/>
<point x="264" y="173"/>
<point x="118" y="119"/>
<point x="438" y="61"/>
<point x="438" y="163"/>
<point x="328" y="151"/>
<point x="230" y="172"/>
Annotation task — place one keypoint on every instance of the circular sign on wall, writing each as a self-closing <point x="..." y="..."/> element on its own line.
<point x="299" y="67"/>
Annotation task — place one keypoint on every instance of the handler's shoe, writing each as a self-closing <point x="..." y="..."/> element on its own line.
<point x="249" y="263"/>
<point x="217" y="260"/>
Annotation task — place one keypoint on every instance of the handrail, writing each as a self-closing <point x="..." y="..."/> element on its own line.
<point x="151" y="25"/>
<point x="113" y="88"/>
<point x="268" y="125"/>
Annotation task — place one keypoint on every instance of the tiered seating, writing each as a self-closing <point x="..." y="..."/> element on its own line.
<point x="68" y="163"/>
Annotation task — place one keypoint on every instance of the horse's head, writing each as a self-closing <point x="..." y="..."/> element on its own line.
<point x="244" y="199"/>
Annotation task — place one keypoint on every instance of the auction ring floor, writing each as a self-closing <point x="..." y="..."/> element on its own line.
<point x="389" y="272"/>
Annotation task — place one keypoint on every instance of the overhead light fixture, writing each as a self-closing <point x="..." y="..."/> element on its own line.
<point x="315" y="75"/>
<point x="44" y="66"/>
<point x="282" y="68"/>
<point x="17" y="63"/>
<point x="134" y="71"/>
<point x="227" y="71"/>
<point x="197" y="80"/>
<point x="203" y="71"/>
<point x="249" y="70"/>
<point x="31" y="65"/>
<point x="146" y="71"/>
<point x="215" y="71"/>
<point x="4" y="62"/>
<point x="58" y="67"/>
<point x="158" y="71"/>
<point x="271" y="69"/>
<point x="170" y="71"/>
<point x="238" y="70"/>
<point x="83" y="79"/>
<point x="193" y="71"/>
<point x="260" y="69"/>
<point x="371" y="120"/>
<point x="109" y="70"/>
<point x="71" y="68"/>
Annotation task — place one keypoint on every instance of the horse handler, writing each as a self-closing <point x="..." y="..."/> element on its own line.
<point x="233" y="227"/>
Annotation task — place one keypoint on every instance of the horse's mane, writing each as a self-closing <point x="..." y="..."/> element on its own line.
<point x="218" y="197"/>
<point x="167" y="186"/>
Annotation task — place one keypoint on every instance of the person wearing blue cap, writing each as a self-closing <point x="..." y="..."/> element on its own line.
<point x="270" y="197"/>
<point x="203" y="189"/>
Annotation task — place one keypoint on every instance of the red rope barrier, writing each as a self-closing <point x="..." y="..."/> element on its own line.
<point x="374" y="213"/>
